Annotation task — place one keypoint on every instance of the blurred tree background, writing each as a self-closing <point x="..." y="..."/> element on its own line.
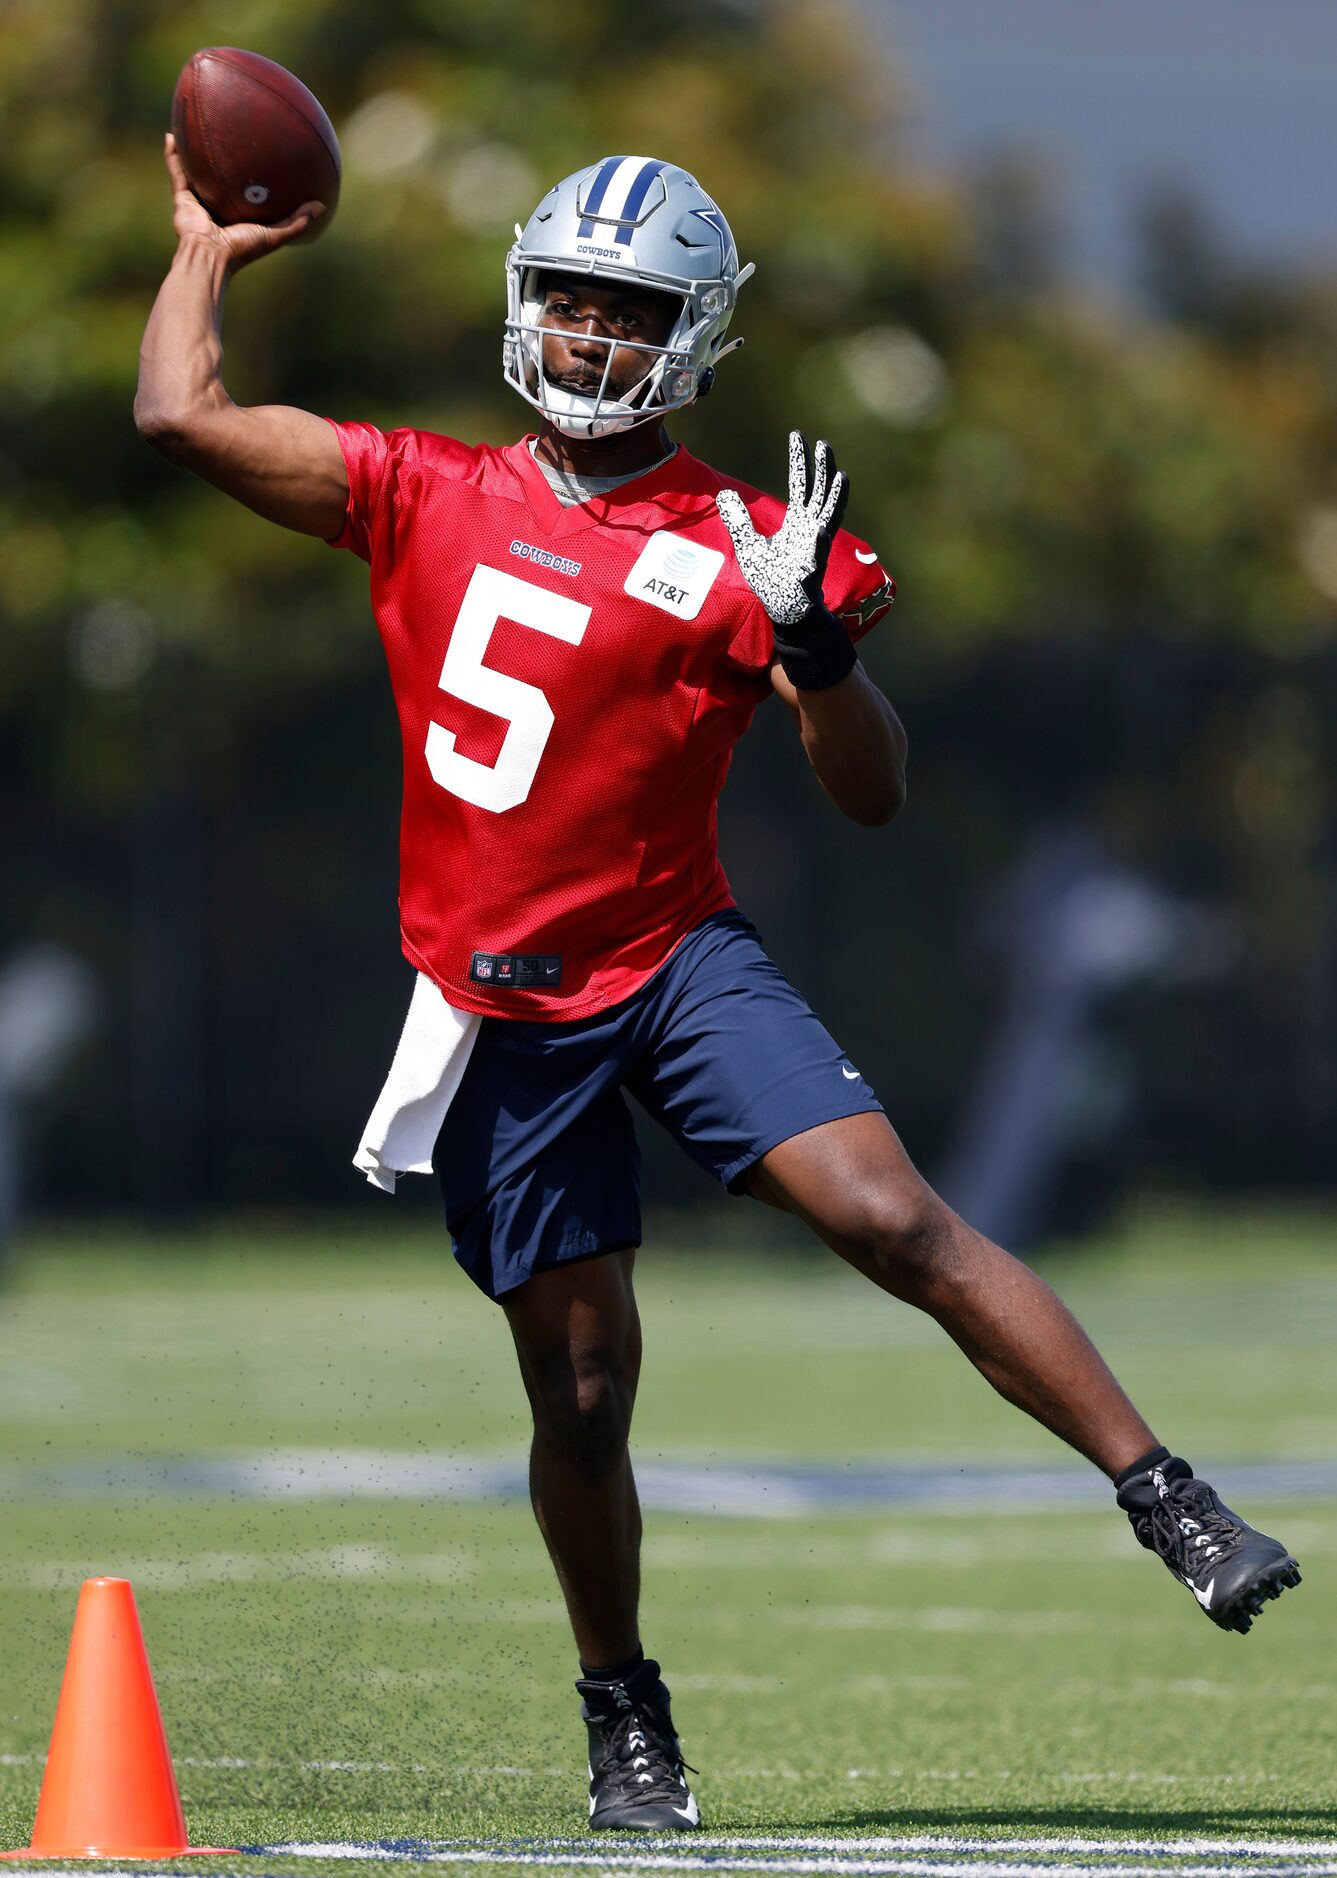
<point x="1114" y="528"/>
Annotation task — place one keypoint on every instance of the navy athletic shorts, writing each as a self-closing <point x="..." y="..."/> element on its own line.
<point x="537" y="1157"/>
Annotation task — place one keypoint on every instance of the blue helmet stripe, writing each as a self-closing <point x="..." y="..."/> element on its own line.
<point x="594" y="200"/>
<point x="636" y="195"/>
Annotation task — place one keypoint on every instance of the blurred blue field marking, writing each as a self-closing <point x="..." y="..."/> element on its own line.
<point x="753" y="1489"/>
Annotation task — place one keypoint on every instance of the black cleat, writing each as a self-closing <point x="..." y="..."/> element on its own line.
<point x="1230" y="1569"/>
<point x="636" y="1772"/>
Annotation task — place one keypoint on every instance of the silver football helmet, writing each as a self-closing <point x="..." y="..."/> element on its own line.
<point x="631" y="219"/>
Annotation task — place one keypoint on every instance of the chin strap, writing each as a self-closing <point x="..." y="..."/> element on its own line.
<point x="578" y="416"/>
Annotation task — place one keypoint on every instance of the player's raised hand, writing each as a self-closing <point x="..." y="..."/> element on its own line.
<point x="241" y="241"/>
<point x="785" y="570"/>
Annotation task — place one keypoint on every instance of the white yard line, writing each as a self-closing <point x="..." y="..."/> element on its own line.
<point x="734" y="1856"/>
<point x="884" y="1856"/>
<point x="953" y="1842"/>
<point x="612" y="1862"/>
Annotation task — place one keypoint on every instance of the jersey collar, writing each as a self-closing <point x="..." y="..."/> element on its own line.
<point x="678" y="486"/>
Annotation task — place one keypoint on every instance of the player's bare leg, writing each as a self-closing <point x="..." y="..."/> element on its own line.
<point x="578" y="1337"/>
<point x="854" y="1184"/>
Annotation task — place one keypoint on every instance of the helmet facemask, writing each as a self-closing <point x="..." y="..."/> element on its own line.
<point x="600" y="412"/>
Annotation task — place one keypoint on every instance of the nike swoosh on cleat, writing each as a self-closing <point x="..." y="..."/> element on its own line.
<point x="1204" y="1597"/>
<point x="691" y="1812"/>
<point x="867" y="559"/>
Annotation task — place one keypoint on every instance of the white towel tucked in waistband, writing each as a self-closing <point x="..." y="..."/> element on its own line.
<point x="433" y="1052"/>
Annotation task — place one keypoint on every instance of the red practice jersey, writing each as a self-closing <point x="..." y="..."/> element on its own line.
<point x="570" y="685"/>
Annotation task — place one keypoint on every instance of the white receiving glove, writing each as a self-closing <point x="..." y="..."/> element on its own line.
<point x="785" y="570"/>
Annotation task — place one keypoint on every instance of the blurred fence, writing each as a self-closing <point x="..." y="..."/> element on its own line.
<point x="242" y="921"/>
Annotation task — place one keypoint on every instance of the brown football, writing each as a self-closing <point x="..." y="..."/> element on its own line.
<point x="254" y="142"/>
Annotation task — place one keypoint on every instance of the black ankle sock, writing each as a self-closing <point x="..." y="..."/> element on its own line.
<point x="1154" y="1457"/>
<point x="616" y="1672"/>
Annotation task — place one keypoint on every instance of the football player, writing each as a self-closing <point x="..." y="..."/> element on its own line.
<point x="579" y="628"/>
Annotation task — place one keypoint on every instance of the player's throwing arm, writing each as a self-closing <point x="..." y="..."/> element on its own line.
<point x="284" y="463"/>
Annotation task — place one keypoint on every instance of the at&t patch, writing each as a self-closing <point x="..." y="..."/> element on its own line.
<point x="674" y="574"/>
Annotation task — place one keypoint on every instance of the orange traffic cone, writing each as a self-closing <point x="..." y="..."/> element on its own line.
<point x="109" y="1790"/>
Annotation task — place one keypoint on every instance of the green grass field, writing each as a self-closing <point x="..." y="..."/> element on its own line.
<point x="867" y="1690"/>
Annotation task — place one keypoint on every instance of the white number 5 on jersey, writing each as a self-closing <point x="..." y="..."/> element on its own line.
<point x="491" y="596"/>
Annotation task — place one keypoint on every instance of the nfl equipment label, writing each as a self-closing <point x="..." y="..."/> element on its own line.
<point x="674" y="574"/>
<point x="525" y="970"/>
